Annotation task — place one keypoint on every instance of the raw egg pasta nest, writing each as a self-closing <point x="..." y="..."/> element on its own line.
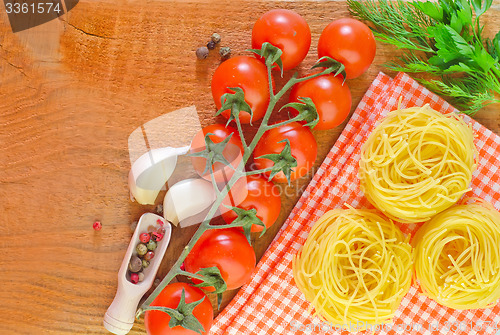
<point x="457" y="256"/>
<point x="354" y="266"/>
<point x="417" y="163"/>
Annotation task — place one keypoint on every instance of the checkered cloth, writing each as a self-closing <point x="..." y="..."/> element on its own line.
<point x="272" y="304"/>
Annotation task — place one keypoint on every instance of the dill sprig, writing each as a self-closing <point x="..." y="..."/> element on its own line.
<point x="442" y="39"/>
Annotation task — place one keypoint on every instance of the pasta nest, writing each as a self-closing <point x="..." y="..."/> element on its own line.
<point x="457" y="257"/>
<point x="416" y="163"/>
<point x="355" y="266"/>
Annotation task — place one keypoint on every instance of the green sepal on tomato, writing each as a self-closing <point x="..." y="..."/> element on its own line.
<point x="330" y="95"/>
<point x="235" y="103"/>
<point x="211" y="278"/>
<point x="190" y="307"/>
<point x="282" y="162"/>
<point x="232" y="152"/>
<point x="250" y="75"/>
<point x="228" y="250"/>
<point x="262" y="195"/>
<point x="286" y="30"/>
<point x="350" y="42"/>
<point x="246" y="219"/>
<point x="303" y="148"/>
<point x="305" y="111"/>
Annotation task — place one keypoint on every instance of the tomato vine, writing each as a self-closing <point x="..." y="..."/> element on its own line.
<point x="283" y="161"/>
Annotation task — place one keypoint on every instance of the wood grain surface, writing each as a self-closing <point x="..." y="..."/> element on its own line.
<point x="71" y="92"/>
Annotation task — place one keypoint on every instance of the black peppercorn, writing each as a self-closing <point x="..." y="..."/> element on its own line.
<point x="211" y="45"/>
<point x="135" y="264"/>
<point x="202" y="52"/>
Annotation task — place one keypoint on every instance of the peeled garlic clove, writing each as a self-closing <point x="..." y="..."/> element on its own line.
<point x="150" y="172"/>
<point x="187" y="198"/>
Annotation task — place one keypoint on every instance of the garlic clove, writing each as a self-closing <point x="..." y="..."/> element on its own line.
<point x="186" y="199"/>
<point x="150" y="172"/>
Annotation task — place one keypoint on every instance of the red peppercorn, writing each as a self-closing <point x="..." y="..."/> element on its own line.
<point x="160" y="222"/>
<point x="134" y="278"/>
<point x="144" y="237"/>
<point x="158" y="235"/>
<point x="97" y="225"/>
<point x="149" y="255"/>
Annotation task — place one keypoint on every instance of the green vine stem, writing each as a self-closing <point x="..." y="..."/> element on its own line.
<point x="239" y="172"/>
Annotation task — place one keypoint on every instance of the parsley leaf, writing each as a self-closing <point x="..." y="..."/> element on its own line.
<point x="442" y="39"/>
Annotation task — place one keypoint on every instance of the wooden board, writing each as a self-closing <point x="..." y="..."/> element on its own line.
<point x="71" y="92"/>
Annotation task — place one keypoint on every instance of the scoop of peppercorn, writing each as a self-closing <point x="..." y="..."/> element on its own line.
<point x="145" y="252"/>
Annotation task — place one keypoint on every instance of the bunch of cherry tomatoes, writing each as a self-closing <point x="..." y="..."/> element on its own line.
<point x="345" y="40"/>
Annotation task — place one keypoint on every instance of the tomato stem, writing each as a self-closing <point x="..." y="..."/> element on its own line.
<point x="254" y="172"/>
<point x="214" y="182"/>
<point x="282" y="123"/>
<point x="270" y="79"/>
<point x="190" y="275"/>
<point x="294" y="80"/>
<point x="242" y="136"/>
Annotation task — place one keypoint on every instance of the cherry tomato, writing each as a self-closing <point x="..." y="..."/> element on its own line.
<point x="251" y="76"/>
<point x="302" y="144"/>
<point x="156" y="322"/>
<point x="331" y="98"/>
<point x="350" y="42"/>
<point x="227" y="249"/>
<point x="263" y="196"/>
<point x="233" y="151"/>
<point x="286" y="30"/>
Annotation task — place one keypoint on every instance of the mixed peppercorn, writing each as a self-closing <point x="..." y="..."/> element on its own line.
<point x="148" y="241"/>
<point x="224" y="52"/>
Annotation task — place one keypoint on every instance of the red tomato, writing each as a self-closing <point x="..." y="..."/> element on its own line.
<point x="303" y="147"/>
<point x="227" y="249"/>
<point x="263" y="196"/>
<point x="286" y="30"/>
<point x="233" y="151"/>
<point x="350" y="42"/>
<point x="331" y="98"/>
<point x="251" y="76"/>
<point x="156" y="322"/>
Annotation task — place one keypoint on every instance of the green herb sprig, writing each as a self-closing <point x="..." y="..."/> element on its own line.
<point x="443" y="39"/>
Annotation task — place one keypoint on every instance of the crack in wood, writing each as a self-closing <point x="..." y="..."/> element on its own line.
<point x="19" y="68"/>
<point x="87" y="33"/>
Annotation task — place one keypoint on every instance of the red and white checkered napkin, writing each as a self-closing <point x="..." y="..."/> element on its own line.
<point x="272" y="304"/>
